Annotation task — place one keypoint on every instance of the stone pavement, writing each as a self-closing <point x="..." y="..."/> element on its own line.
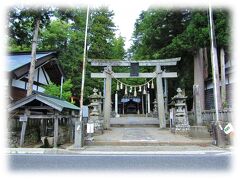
<point x="139" y="136"/>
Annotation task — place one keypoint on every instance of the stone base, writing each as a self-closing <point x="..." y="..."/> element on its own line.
<point x="181" y="130"/>
<point x="98" y="125"/>
<point x="199" y="132"/>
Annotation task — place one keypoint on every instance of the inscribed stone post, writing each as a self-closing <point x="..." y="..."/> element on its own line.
<point x="107" y="100"/>
<point x="55" y="130"/>
<point x="197" y="105"/>
<point x="160" y="99"/>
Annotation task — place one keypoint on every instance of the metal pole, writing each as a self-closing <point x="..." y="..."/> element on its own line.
<point x="219" y="138"/>
<point x="61" y="87"/>
<point x="214" y="62"/>
<point x="84" y="66"/>
<point x="78" y="141"/>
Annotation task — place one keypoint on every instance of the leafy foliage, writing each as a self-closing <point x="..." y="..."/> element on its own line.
<point x="55" y="90"/>
<point x="161" y="33"/>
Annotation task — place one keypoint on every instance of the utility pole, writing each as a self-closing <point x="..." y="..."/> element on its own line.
<point x="79" y="125"/>
<point x="215" y="72"/>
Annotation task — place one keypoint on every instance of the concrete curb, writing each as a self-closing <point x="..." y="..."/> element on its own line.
<point x="151" y="143"/>
<point x="112" y="151"/>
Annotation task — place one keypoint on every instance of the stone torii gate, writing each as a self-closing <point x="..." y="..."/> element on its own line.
<point x="159" y="74"/>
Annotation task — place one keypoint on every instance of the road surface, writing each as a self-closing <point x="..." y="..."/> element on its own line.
<point x="208" y="161"/>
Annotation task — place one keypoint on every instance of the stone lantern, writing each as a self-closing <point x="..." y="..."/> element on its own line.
<point x="94" y="116"/>
<point x="181" y="124"/>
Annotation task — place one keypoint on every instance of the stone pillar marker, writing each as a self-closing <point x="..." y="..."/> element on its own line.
<point x="181" y="124"/>
<point x="79" y="136"/>
<point x="160" y="99"/>
<point x="107" y="100"/>
<point x="197" y="105"/>
<point x="55" y="130"/>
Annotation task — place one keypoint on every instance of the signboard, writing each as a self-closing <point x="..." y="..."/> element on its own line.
<point x="90" y="127"/>
<point x="228" y="128"/>
<point x="23" y="118"/>
<point x="134" y="69"/>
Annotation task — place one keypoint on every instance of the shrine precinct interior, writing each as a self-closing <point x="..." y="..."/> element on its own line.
<point x="139" y="96"/>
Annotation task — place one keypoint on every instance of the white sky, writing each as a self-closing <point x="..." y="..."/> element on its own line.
<point x="124" y="19"/>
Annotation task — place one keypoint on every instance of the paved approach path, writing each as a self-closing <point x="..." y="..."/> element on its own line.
<point x="143" y="134"/>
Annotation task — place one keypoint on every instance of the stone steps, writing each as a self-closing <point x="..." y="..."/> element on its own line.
<point x="134" y="125"/>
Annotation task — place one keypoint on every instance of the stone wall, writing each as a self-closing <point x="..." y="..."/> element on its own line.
<point x="33" y="134"/>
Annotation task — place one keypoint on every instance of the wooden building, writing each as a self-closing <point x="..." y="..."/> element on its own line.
<point x="47" y="70"/>
<point x="44" y="110"/>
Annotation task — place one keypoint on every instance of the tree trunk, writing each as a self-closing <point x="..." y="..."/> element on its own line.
<point x="199" y="76"/>
<point x="33" y="59"/>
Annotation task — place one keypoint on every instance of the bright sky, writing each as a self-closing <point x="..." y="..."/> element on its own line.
<point x="124" y="19"/>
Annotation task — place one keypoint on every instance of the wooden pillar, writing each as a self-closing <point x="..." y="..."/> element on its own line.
<point x="160" y="99"/>
<point x="43" y="127"/>
<point x="24" y="125"/>
<point x="107" y="100"/>
<point x="55" y="130"/>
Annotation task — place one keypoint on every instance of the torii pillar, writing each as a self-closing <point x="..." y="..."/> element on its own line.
<point x="160" y="98"/>
<point x="107" y="99"/>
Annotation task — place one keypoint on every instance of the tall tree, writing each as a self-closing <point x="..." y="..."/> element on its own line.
<point x="159" y="37"/>
<point x="118" y="51"/>
<point x="101" y="33"/>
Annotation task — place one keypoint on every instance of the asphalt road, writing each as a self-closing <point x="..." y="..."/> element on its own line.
<point x="159" y="162"/>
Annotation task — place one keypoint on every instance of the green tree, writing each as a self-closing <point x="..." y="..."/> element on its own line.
<point x="177" y="33"/>
<point x="101" y="33"/>
<point x="21" y="25"/>
<point x="118" y="51"/>
<point x="56" y="35"/>
<point x="55" y="90"/>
